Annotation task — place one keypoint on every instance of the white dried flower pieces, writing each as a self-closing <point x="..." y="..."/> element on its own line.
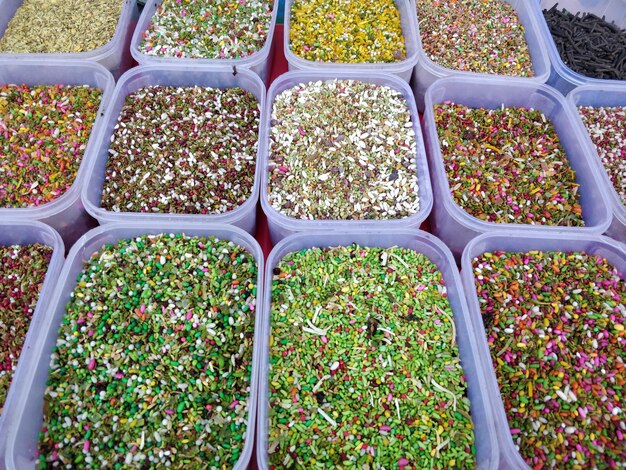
<point x="342" y="150"/>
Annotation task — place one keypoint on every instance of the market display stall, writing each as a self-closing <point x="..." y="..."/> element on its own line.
<point x="388" y="234"/>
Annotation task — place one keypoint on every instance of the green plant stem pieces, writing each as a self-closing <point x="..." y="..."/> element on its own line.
<point x="208" y="29"/>
<point x="153" y="360"/>
<point x="364" y="368"/>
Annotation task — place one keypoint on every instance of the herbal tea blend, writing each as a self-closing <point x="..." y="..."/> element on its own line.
<point x="588" y="44"/>
<point x="22" y="273"/>
<point x="607" y="129"/>
<point x="44" y="130"/>
<point x="342" y="150"/>
<point x="348" y="31"/>
<point x="46" y="26"/>
<point x="153" y="359"/>
<point x="183" y="150"/>
<point x="202" y="29"/>
<point x="507" y="165"/>
<point x="555" y="327"/>
<point x="474" y="36"/>
<point x="364" y="367"/>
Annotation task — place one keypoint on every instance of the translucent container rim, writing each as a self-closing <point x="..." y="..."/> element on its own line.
<point x="93" y="55"/>
<point x="55" y="242"/>
<point x="37" y="354"/>
<point x="232" y="216"/>
<point x="424" y="184"/>
<point x="563" y="70"/>
<point x="279" y="251"/>
<point x="577" y="97"/>
<point x="339" y="67"/>
<point x="438" y="170"/>
<point x="145" y="20"/>
<point x="467" y="277"/>
<point x="541" y="60"/>
<point x="65" y="200"/>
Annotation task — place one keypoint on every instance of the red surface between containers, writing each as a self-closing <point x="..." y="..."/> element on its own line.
<point x="279" y="66"/>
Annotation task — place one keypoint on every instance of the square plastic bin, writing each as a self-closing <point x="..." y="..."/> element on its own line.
<point x="562" y="77"/>
<point x="114" y="55"/>
<point x="487" y="453"/>
<point x="427" y="71"/>
<point x="403" y="69"/>
<point x="600" y="95"/>
<point x="259" y="62"/>
<point x="65" y="213"/>
<point x="281" y="225"/>
<point x="243" y="216"/>
<point x="22" y="438"/>
<point x="25" y="232"/>
<point x="518" y="241"/>
<point x="454" y="225"/>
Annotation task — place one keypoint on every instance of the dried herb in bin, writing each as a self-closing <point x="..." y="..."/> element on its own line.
<point x="203" y="29"/>
<point x="588" y="44"/>
<point x="44" y="130"/>
<point x="153" y="359"/>
<point x="61" y="26"/>
<point x="183" y="150"/>
<point x="343" y="150"/>
<point x="347" y="31"/>
<point x="481" y="36"/>
<point x="507" y="166"/>
<point x="364" y="368"/>
<point x="22" y="273"/>
<point x="558" y="346"/>
<point x="607" y="129"/>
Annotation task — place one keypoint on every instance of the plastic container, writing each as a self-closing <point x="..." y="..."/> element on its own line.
<point x="114" y="55"/>
<point x="23" y="232"/>
<point x="427" y="71"/>
<point x="243" y="216"/>
<point x="403" y="69"/>
<point x="259" y="62"/>
<point x="453" y="224"/>
<point x="562" y="77"/>
<point x="281" y="225"/>
<point x="597" y="95"/>
<point x="22" y="439"/>
<point x="65" y="213"/>
<point x="487" y="453"/>
<point x="518" y="241"/>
